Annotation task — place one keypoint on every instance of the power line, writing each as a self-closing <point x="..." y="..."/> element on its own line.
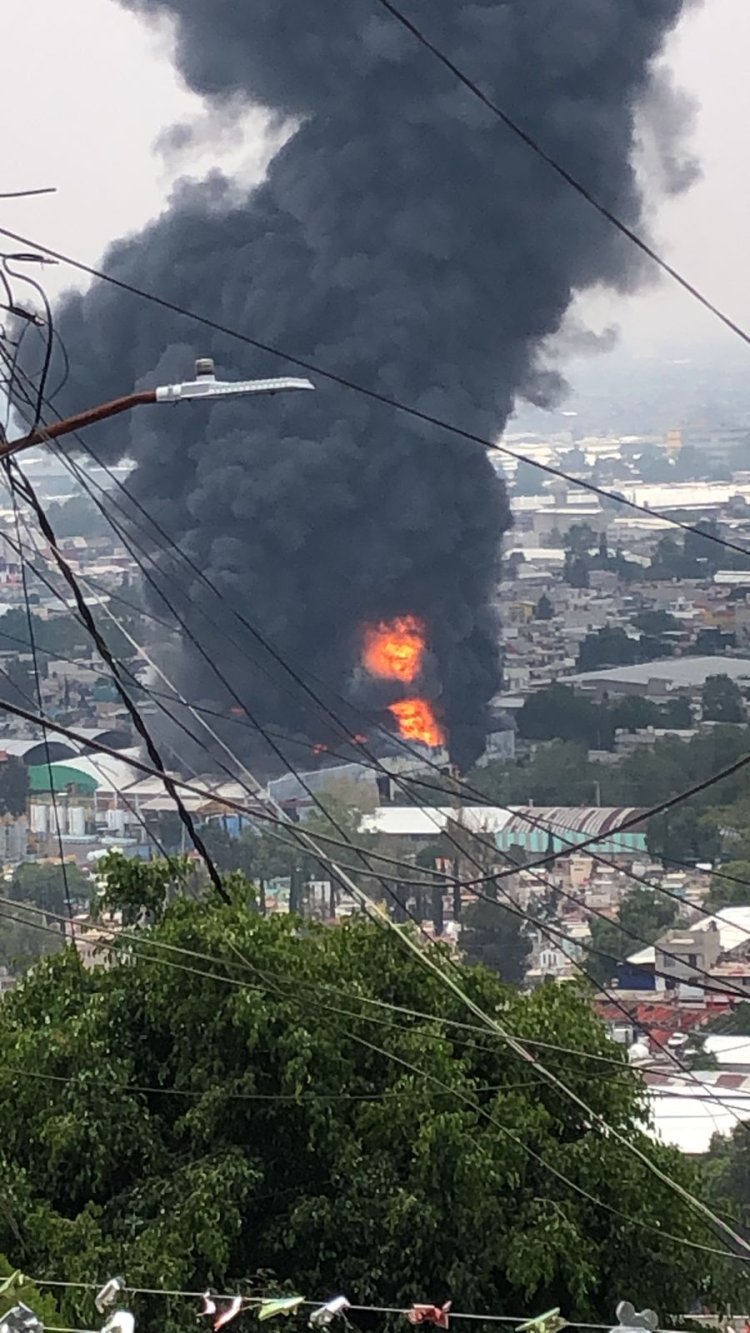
<point x="335" y="867"/>
<point x="565" y="175"/>
<point x="277" y="657"/>
<point x="548" y="1167"/>
<point x="8" y="468"/>
<point x="374" y="395"/>
<point x="28" y="194"/>
<point x="29" y="493"/>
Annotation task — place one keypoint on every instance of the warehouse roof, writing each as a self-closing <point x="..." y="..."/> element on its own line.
<point x="512" y="825"/>
<point x="681" y="671"/>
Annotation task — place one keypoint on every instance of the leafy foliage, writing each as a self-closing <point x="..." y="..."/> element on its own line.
<point x="492" y="935"/>
<point x="14" y="786"/>
<point x="43" y="884"/>
<point x="252" y="1111"/>
<point x="726" y="892"/>
<point x="715" y="821"/>
<point x="722" y="700"/>
<point x="23" y="939"/>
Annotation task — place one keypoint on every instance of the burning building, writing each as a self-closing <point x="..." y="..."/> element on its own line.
<point x="403" y="239"/>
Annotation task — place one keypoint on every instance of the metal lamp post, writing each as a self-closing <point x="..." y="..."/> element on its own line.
<point x="204" y="388"/>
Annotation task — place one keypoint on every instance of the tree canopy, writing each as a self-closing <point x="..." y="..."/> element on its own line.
<point x="43" y="883"/>
<point x="722" y="700"/>
<point x="234" y="1096"/>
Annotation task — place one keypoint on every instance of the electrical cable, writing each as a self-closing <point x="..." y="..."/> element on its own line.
<point x="25" y="488"/>
<point x="481" y="1111"/>
<point x="8" y="465"/>
<point x="374" y="395"/>
<point x="582" y="190"/>
<point x="133" y="938"/>
<point x="579" y="846"/>
<point x="512" y="1041"/>
<point x="527" y="917"/>
<point x="28" y="194"/>
<point x="469" y="883"/>
<point x="29" y="493"/>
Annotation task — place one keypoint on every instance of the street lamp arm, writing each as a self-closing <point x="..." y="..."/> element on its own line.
<point x="204" y="387"/>
<point x="78" y="422"/>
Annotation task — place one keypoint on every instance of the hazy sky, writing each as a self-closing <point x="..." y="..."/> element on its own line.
<point x="90" y="89"/>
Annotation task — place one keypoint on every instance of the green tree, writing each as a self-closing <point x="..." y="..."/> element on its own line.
<point x="734" y="1024"/>
<point x="634" y="712"/>
<point x="725" y="892"/>
<point x="610" y="646"/>
<point x="721" y="700"/>
<point x="43" y="884"/>
<point x="544" y="609"/>
<point x="79" y="517"/>
<point x="725" y="1173"/>
<point x="683" y="834"/>
<point x="529" y="480"/>
<point x="23" y="941"/>
<point x="656" y="623"/>
<point x="493" y="936"/>
<point x="647" y="914"/>
<point x="558" y="773"/>
<point x="560" y="712"/>
<point x="677" y="713"/>
<point x="270" y="1118"/>
<point x="14" y="786"/>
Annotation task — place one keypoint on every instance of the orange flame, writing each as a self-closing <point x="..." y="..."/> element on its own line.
<point x="394" y="649"/>
<point x="417" y="722"/>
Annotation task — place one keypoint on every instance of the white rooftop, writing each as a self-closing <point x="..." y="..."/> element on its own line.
<point x="681" y="671"/>
<point x="690" y="1122"/>
<point x="729" y="1050"/>
<point x="733" y="924"/>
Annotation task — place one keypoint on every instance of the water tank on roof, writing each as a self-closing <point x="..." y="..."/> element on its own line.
<point x="639" y="1053"/>
<point x="77" y="821"/>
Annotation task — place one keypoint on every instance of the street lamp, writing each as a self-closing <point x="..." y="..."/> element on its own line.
<point x="205" y="387"/>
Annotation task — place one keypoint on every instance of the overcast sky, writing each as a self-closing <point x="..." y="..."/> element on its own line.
<point x="90" y="89"/>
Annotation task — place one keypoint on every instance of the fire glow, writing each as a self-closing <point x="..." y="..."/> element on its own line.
<point x="417" y="722"/>
<point x="395" y="650"/>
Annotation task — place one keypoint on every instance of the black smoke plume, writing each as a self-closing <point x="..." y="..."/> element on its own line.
<point x="402" y="238"/>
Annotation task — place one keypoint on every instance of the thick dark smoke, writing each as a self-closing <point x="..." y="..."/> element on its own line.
<point x="402" y="238"/>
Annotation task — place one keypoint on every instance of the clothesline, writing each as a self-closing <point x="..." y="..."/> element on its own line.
<point x="252" y="1301"/>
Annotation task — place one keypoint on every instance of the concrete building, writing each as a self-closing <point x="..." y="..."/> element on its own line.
<point x="686" y="955"/>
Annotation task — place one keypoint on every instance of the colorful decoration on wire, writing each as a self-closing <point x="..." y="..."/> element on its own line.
<point x="108" y="1293"/>
<point x="20" y="1319"/>
<point x="630" y="1318"/>
<point x="12" y="1283"/>
<point x="283" y="1305"/>
<point x="120" y="1321"/>
<point x="430" y="1314"/>
<point x="219" y="1316"/>
<point x="550" y="1322"/>
<point x="326" y="1314"/>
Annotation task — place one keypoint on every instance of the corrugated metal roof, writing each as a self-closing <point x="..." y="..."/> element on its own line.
<point x="574" y="823"/>
<point x="685" y="671"/>
<point x="58" y="776"/>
